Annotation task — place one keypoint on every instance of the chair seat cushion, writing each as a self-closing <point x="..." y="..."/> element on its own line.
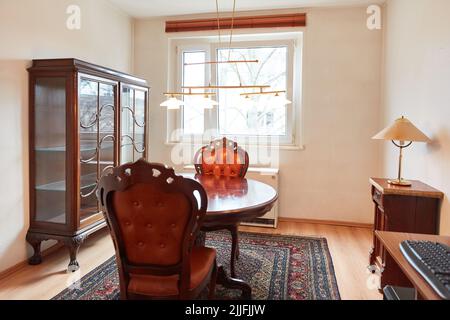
<point x="202" y="261"/>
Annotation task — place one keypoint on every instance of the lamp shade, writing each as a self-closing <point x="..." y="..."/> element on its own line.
<point x="402" y="130"/>
<point x="172" y="103"/>
<point x="246" y="102"/>
<point x="278" y="100"/>
<point x="207" y="103"/>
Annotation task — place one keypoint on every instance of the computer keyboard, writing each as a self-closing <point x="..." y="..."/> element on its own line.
<point x="432" y="261"/>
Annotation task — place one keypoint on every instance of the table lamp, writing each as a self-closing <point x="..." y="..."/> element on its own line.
<point x="405" y="133"/>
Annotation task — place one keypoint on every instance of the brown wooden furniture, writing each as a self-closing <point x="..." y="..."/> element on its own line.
<point x="154" y="218"/>
<point x="412" y="209"/>
<point x="84" y="120"/>
<point x="223" y="158"/>
<point x="398" y="271"/>
<point x="231" y="201"/>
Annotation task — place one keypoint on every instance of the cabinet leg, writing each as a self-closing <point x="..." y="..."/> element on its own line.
<point x="74" y="245"/>
<point x="73" y="264"/>
<point x="372" y="266"/>
<point x="372" y="256"/>
<point x="36" y="244"/>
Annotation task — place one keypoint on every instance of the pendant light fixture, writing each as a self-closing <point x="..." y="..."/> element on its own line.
<point x="220" y="62"/>
<point x="206" y="101"/>
<point x="246" y="102"/>
<point x="279" y="97"/>
<point x="172" y="103"/>
<point x="280" y="100"/>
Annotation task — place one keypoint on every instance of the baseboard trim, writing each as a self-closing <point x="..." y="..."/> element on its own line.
<point x="6" y="273"/>
<point x="329" y="222"/>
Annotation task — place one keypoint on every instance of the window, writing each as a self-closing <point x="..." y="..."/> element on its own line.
<point x="193" y="75"/>
<point x="237" y="117"/>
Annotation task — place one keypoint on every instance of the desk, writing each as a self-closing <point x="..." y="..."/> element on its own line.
<point x="231" y="201"/>
<point x="413" y="209"/>
<point x="398" y="271"/>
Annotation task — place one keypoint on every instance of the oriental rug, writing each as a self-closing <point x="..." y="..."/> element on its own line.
<point x="276" y="267"/>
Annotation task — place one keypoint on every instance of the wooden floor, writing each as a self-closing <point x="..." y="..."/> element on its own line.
<point x="349" y="248"/>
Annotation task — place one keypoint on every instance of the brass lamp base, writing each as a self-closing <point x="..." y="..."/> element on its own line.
<point x="401" y="183"/>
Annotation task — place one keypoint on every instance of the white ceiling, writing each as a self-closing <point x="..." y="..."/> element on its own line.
<point x="156" y="8"/>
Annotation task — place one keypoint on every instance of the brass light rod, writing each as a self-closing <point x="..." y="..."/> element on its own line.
<point x="227" y="87"/>
<point x="262" y="92"/>
<point x="219" y="62"/>
<point x="189" y="94"/>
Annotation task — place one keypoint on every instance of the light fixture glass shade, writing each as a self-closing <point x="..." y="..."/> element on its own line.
<point x="280" y="100"/>
<point x="172" y="103"/>
<point x="402" y="130"/>
<point x="207" y="103"/>
<point x="246" y="102"/>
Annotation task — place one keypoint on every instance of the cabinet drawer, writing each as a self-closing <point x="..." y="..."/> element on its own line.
<point x="377" y="197"/>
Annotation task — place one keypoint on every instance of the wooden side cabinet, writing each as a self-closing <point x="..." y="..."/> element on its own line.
<point x="412" y="209"/>
<point x="84" y="120"/>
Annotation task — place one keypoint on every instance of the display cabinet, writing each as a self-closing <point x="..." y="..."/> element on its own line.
<point x="84" y="120"/>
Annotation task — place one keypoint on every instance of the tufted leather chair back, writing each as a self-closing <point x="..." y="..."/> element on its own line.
<point x="152" y="223"/>
<point x="222" y="157"/>
<point x="154" y="217"/>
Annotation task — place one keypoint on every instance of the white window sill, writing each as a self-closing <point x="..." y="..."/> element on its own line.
<point x="281" y="147"/>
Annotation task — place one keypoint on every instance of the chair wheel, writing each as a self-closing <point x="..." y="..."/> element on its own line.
<point x="73" y="267"/>
<point x="372" y="269"/>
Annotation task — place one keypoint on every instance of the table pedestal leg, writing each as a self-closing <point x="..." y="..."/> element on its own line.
<point x="234" y="248"/>
<point x="232" y="283"/>
<point x="222" y="276"/>
<point x="201" y="239"/>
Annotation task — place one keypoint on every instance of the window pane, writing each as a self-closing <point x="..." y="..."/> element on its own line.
<point x="263" y="116"/>
<point x="193" y="75"/>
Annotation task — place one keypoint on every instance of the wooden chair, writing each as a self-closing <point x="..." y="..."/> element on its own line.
<point x="224" y="158"/>
<point x="154" y="217"/>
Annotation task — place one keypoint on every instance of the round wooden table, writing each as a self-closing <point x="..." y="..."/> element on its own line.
<point x="230" y="202"/>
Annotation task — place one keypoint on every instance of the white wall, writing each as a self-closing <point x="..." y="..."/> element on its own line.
<point x="416" y="84"/>
<point x="342" y="65"/>
<point x="32" y="29"/>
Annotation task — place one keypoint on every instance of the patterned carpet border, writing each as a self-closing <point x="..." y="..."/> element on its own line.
<point x="277" y="267"/>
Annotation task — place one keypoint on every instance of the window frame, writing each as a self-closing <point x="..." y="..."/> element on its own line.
<point x="294" y="43"/>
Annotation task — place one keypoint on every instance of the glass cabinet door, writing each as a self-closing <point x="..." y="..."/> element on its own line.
<point x="133" y="122"/>
<point x="50" y="150"/>
<point x="97" y="139"/>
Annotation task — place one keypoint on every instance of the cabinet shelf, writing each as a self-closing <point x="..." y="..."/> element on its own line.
<point x="102" y="163"/>
<point x="87" y="181"/>
<point x="58" y="218"/>
<point x="83" y="148"/>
